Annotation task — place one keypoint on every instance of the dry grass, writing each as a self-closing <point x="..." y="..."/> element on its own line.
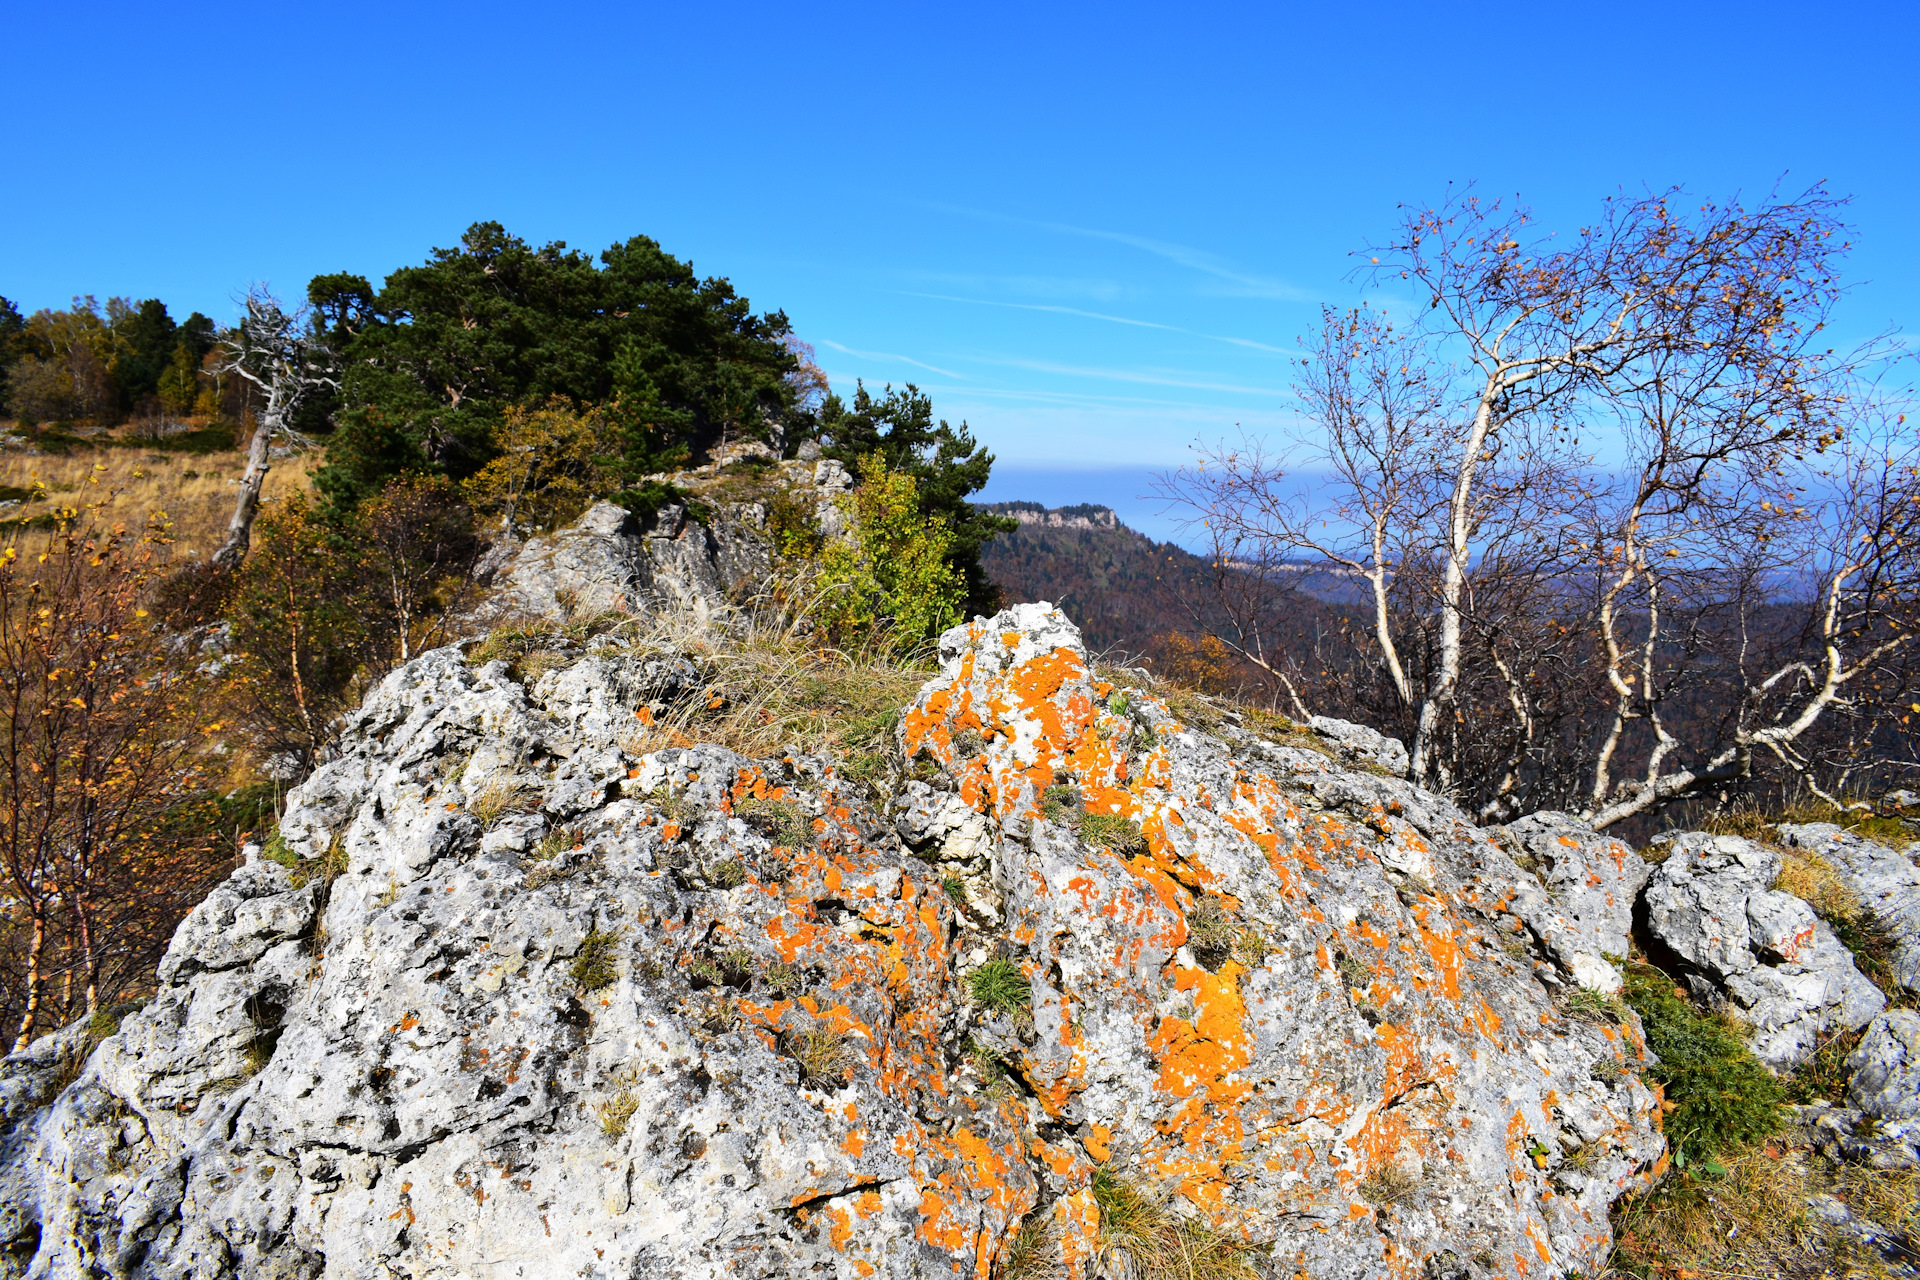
<point x="1754" y="1220"/>
<point x="1809" y="877"/>
<point x="1388" y="1184"/>
<point x="1141" y="1235"/>
<point x="495" y="801"/>
<point x="823" y="1057"/>
<point x="1034" y="1251"/>
<point x="194" y="491"/>
<point x="616" y="1112"/>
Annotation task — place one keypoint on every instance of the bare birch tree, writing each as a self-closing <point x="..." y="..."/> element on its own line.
<point x="279" y="353"/>
<point x="1529" y="473"/>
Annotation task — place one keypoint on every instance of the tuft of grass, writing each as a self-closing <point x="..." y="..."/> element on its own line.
<point x="729" y="874"/>
<point x="1000" y="986"/>
<point x="495" y="801"/>
<point x="823" y="1056"/>
<point x="1210" y="933"/>
<point x="1140" y="1233"/>
<point x="1874" y="950"/>
<point x="1824" y="1076"/>
<point x="1591" y="1006"/>
<point x="955" y="889"/>
<point x="780" y="821"/>
<point x="1387" y="1185"/>
<point x="592" y="966"/>
<point x="616" y="1112"/>
<point x="1120" y="836"/>
<point x="782" y="979"/>
<point x="1059" y="803"/>
<point x="1034" y="1251"/>
<point x="557" y="842"/>
<point x="1354" y="973"/>
<point x="1722" y="1099"/>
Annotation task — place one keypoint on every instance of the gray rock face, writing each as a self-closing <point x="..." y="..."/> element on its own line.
<point x="1886" y="880"/>
<point x="1886" y="1067"/>
<point x="1357" y="743"/>
<point x="1756" y="949"/>
<point x="608" y="561"/>
<point x="569" y="1010"/>
<point x="1591" y="882"/>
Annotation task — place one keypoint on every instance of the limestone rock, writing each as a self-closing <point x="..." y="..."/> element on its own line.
<point x="1356" y="743"/>
<point x="1747" y="945"/>
<point x="1886" y="880"/>
<point x="1591" y="882"/>
<point x="1364" y="1025"/>
<point x="573" y="1008"/>
<point x="1886" y="1067"/>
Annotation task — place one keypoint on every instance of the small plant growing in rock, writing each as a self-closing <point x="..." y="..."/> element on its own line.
<point x="1355" y="973"/>
<point x="1723" y="1098"/>
<point x="1607" y="1069"/>
<point x="1591" y="1006"/>
<point x="782" y="822"/>
<point x="1210" y="933"/>
<point x="968" y="743"/>
<point x="592" y="966"/>
<point x="729" y="874"/>
<point x="782" y="979"/>
<point x="555" y="843"/>
<point x="496" y="800"/>
<point x="616" y="1112"/>
<point x="1059" y="803"/>
<point x="822" y="1055"/>
<point x="956" y="889"/>
<point x="1140" y="1235"/>
<point x="1388" y="1184"/>
<point x="1122" y="836"/>
<point x="1034" y="1251"/>
<point x="1000" y="987"/>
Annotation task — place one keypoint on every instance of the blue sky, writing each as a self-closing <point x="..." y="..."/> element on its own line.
<point x="1094" y="232"/>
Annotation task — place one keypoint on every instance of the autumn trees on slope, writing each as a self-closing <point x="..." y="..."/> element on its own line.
<point x="1618" y="526"/>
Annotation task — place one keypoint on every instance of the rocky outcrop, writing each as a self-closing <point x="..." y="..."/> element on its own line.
<point x="1878" y="1122"/>
<point x="1886" y="880"/>
<point x="530" y="999"/>
<point x="669" y="563"/>
<point x="1744" y="945"/>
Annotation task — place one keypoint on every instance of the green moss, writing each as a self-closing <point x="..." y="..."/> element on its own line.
<point x="999" y="985"/>
<point x="592" y="966"/>
<point x="1724" y="1099"/>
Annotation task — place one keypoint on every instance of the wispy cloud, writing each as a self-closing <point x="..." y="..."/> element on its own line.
<point x="1242" y="283"/>
<point x="1101" y="315"/>
<point x="1152" y="378"/>
<point x="887" y="355"/>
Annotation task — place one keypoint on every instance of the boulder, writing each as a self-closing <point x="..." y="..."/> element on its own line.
<point x="1745" y="946"/>
<point x="1878" y="1124"/>
<point x="1885" y="879"/>
<point x="1370" y="1072"/>
<point x="515" y="997"/>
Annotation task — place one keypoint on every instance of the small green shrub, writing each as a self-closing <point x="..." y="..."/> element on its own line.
<point x="1723" y="1098"/>
<point x="998" y="985"/>
<point x="592" y="966"/>
<point x="729" y="874"/>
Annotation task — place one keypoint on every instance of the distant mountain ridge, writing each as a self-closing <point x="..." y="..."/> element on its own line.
<point x="1119" y="584"/>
